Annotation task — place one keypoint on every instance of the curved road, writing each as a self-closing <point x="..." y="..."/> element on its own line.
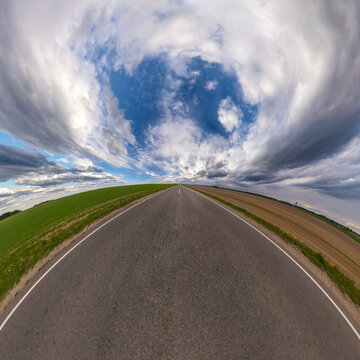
<point x="176" y="277"/>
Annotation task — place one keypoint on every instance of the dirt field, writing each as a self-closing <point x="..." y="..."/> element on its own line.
<point x="337" y="247"/>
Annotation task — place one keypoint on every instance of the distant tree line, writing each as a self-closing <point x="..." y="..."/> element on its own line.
<point x="9" y="213"/>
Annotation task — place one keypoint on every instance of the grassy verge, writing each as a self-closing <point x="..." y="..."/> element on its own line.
<point x="30" y="235"/>
<point x="346" y="285"/>
<point x="346" y="230"/>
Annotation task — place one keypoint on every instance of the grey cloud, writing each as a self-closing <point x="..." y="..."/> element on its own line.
<point x="29" y="109"/>
<point x="4" y="203"/>
<point x="329" y="185"/>
<point x="213" y="169"/>
<point x="331" y="117"/>
<point x="15" y="162"/>
<point x="32" y="168"/>
<point x="318" y="140"/>
<point x="216" y="174"/>
<point x="259" y="178"/>
<point x="65" y="178"/>
<point x="50" y="97"/>
<point x="13" y="156"/>
<point x="349" y="191"/>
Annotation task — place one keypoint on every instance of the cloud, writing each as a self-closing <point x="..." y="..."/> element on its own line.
<point x="229" y="115"/>
<point x="32" y="168"/>
<point x="9" y="197"/>
<point x="25" y="197"/>
<point x="66" y="178"/>
<point x="7" y="193"/>
<point x="174" y="142"/>
<point x="337" y="176"/>
<point x="178" y="146"/>
<point x="51" y="96"/>
<point x="15" y="162"/>
<point x="297" y="62"/>
<point x="211" y="85"/>
<point x="284" y="63"/>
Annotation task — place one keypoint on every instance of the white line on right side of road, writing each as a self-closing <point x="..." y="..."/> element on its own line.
<point x="293" y="260"/>
<point x="69" y="251"/>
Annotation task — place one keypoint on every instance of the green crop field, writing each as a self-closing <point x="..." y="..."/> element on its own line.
<point x="28" y="236"/>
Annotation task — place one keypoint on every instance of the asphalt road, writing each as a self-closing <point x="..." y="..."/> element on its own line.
<point x="176" y="277"/>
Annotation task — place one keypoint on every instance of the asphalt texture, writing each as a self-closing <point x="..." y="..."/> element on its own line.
<point x="176" y="277"/>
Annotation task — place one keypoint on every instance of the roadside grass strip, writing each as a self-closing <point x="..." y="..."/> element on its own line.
<point x="27" y="237"/>
<point x="346" y="285"/>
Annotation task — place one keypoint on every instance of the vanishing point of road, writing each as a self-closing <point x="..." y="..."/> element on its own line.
<point x="175" y="277"/>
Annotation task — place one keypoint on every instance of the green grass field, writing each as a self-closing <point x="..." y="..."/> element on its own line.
<point x="30" y="235"/>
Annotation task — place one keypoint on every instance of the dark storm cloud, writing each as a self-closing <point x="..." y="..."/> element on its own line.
<point x="319" y="139"/>
<point x="349" y="191"/>
<point x="329" y="185"/>
<point x="15" y="162"/>
<point x="211" y="174"/>
<point x="31" y="168"/>
<point x="216" y="174"/>
<point x="13" y="156"/>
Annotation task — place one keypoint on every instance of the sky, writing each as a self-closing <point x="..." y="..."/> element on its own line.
<point x="261" y="96"/>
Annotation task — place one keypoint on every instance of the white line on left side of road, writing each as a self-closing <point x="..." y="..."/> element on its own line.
<point x="293" y="260"/>
<point x="67" y="253"/>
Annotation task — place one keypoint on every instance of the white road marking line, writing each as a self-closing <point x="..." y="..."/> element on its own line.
<point x="179" y="191"/>
<point x="68" y="252"/>
<point x="293" y="260"/>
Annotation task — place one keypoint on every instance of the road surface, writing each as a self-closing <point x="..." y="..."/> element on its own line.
<point x="175" y="277"/>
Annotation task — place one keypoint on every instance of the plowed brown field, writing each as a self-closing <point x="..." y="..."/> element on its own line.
<point x="338" y="248"/>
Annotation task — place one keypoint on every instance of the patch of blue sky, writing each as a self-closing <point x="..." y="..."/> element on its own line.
<point x="10" y="184"/>
<point x="140" y="94"/>
<point x="203" y="102"/>
<point x="61" y="159"/>
<point x="7" y="139"/>
<point x="129" y="175"/>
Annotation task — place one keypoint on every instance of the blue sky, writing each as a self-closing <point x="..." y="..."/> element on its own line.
<point x="245" y="96"/>
<point x="140" y="94"/>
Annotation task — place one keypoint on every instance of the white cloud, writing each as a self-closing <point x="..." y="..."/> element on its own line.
<point x="179" y="147"/>
<point x="7" y="193"/>
<point x="211" y="85"/>
<point x="229" y="114"/>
